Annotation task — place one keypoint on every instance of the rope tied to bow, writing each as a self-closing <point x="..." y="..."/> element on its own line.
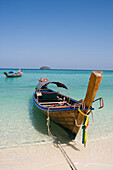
<point x="71" y="164"/>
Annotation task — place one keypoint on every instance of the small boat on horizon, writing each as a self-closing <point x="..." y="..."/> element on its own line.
<point x="64" y="110"/>
<point x="14" y="73"/>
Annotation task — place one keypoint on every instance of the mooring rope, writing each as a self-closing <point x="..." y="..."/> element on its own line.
<point x="48" y="125"/>
<point x="71" y="164"/>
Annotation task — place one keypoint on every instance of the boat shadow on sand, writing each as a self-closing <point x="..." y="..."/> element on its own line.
<point x="40" y="124"/>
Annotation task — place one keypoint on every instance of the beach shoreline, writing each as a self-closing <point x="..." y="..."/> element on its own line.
<point x="96" y="155"/>
<point x="24" y="140"/>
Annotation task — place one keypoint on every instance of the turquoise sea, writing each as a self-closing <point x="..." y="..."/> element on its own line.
<point x="20" y="121"/>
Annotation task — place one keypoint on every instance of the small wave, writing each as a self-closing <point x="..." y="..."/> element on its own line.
<point x="25" y="144"/>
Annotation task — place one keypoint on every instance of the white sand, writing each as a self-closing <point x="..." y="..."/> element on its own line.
<point x="96" y="155"/>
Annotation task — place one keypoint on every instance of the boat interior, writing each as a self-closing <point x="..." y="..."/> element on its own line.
<point x="50" y="98"/>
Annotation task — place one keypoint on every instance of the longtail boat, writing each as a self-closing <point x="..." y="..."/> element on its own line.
<point x="64" y="110"/>
<point x="13" y="73"/>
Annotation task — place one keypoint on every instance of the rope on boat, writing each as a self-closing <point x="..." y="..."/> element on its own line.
<point x="101" y="102"/>
<point x="84" y="127"/>
<point x="83" y="107"/>
<point x="86" y="117"/>
<point x="48" y="125"/>
<point x="71" y="164"/>
<point x="78" y="104"/>
<point x="69" y="96"/>
<point x="83" y="124"/>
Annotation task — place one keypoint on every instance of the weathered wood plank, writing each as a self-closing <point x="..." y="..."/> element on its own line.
<point x="94" y="83"/>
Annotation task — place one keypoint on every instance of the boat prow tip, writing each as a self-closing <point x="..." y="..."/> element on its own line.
<point x="98" y="73"/>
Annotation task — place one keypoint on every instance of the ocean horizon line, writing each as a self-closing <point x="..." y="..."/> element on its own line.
<point x="58" y="69"/>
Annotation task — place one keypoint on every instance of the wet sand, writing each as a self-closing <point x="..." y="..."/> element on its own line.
<point x="96" y="155"/>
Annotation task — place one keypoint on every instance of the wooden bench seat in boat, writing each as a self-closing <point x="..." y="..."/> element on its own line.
<point x="45" y="103"/>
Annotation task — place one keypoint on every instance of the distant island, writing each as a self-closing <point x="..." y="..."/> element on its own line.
<point x="45" y="68"/>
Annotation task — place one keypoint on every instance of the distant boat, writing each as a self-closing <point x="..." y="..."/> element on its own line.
<point x="66" y="111"/>
<point x="14" y="73"/>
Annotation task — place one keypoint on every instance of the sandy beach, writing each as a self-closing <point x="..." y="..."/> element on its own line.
<point x="96" y="155"/>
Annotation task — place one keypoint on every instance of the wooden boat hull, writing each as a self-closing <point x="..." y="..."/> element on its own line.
<point x="69" y="116"/>
<point x="62" y="116"/>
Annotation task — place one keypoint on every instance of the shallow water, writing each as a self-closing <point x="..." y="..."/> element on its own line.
<point x="22" y="123"/>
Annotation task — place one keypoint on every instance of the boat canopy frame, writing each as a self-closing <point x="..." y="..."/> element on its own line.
<point x="45" y="83"/>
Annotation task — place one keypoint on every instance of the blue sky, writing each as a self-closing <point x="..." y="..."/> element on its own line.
<point x="62" y="34"/>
